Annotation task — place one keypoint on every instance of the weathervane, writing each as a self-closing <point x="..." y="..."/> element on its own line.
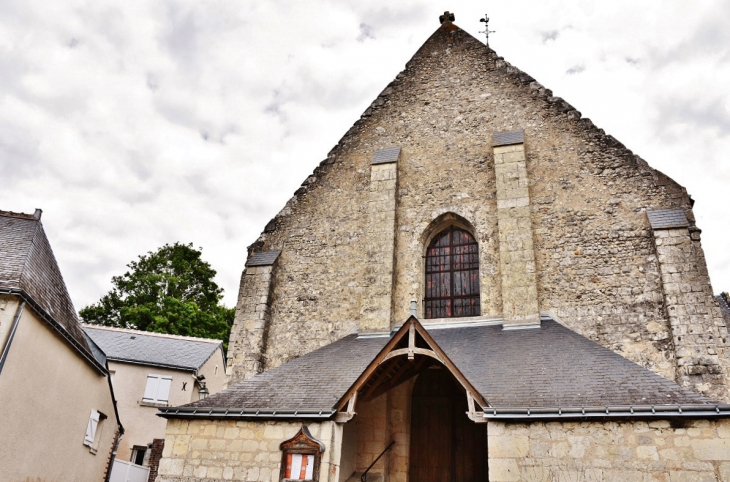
<point x="486" y="30"/>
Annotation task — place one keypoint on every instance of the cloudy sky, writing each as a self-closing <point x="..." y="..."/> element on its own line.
<point x="133" y="124"/>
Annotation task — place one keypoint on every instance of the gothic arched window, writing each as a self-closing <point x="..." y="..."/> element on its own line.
<point x="452" y="275"/>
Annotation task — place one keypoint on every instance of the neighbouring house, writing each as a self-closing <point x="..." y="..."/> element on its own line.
<point x="58" y="419"/>
<point x="153" y="370"/>
<point x="476" y="283"/>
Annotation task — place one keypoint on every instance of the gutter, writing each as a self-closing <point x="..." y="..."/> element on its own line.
<point x="57" y="327"/>
<point x="152" y="364"/>
<point x="229" y="414"/>
<point x="721" y="410"/>
<point x="16" y="321"/>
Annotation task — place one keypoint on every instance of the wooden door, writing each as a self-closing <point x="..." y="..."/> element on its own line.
<point x="445" y="445"/>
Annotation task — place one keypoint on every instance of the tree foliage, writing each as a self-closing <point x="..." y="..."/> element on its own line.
<point x="171" y="291"/>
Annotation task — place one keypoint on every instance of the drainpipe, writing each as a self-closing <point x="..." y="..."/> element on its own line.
<point x="16" y="320"/>
<point x="113" y="456"/>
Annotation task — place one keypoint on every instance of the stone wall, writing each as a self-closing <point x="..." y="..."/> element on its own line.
<point x="682" y="451"/>
<point x="253" y="316"/>
<point x="378" y="422"/>
<point x="596" y="265"/>
<point x="698" y="328"/>
<point x="516" y="254"/>
<point x="214" y="450"/>
<point x="378" y="283"/>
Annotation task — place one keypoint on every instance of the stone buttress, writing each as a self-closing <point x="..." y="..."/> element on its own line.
<point x="377" y="304"/>
<point x="699" y="333"/>
<point x="247" y="343"/>
<point x="516" y="253"/>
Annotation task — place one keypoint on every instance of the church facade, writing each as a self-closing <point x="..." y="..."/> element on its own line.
<point x="475" y="284"/>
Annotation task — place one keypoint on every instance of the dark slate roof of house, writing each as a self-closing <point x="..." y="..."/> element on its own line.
<point x="27" y="263"/>
<point x="667" y="218"/>
<point x="134" y="346"/>
<point x="550" y="366"/>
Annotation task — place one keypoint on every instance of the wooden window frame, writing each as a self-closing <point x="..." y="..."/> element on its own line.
<point x="304" y="444"/>
<point x="428" y="312"/>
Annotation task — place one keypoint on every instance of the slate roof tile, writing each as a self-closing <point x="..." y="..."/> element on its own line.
<point x="508" y="138"/>
<point x="141" y="347"/>
<point x="551" y="366"/>
<point x="266" y="258"/>
<point x="27" y="263"/>
<point x="386" y="156"/>
<point x="667" y="218"/>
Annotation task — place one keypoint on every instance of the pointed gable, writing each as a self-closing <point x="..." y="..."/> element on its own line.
<point x="27" y="265"/>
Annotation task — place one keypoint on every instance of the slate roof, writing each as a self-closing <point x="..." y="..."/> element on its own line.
<point x="134" y="346"/>
<point x="266" y="258"/>
<point x="508" y="138"/>
<point x="314" y="381"/>
<point x="551" y="366"/>
<point x="667" y="218"/>
<point x="386" y="156"/>
<point x="27" y="263"/>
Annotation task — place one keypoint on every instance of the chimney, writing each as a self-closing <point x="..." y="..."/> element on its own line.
<point x="37" y="214"/>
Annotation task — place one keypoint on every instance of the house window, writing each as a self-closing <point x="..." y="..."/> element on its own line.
<point x="299" y="467"/>
<point x="94" y="429"/>
<point x="157" y="389"/>
<point x="138" y="454"/>
<point x="301" y="456"/>
<point x="452" y="275"/>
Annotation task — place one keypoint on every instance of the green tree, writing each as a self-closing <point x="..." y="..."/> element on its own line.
<point x="171" y="291"/>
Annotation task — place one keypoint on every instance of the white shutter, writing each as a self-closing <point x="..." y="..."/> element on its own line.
<point x="296" y="466"/>
<point x="163" y="389"/>
<point x="91" y="428"/>
<point x="150" y="391"/>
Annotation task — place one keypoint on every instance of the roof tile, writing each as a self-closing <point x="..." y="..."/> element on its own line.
<point x="136" y="346"/>
<point x="667" y="219"/>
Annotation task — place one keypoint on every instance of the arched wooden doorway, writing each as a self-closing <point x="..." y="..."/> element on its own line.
<point x="445" y="445"/>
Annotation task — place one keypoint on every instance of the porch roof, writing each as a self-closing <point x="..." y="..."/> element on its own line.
<point x="549" y="366"/>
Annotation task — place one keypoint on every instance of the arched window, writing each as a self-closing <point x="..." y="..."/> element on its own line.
<point x="452" y="275"/>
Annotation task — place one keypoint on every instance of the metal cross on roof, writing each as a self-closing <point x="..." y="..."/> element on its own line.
<point x="486" y="30"/>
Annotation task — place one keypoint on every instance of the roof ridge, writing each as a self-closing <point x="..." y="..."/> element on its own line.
<point x="150" y="333"/>
<point x="11" y="214"/>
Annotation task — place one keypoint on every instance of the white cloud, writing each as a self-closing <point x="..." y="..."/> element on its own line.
<point x="135" y="124"/>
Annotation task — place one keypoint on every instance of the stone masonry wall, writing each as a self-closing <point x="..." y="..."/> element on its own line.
<point x="698" y="328"/>
<point x="378" y="422"/>
<point x="516" y="254"/>
<point x="214" y="450"/>
<point x="655" y="451"/>
<point x="253" y="315"/>
<point x="376" y="307"/>
<point x="595" y="261"/>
